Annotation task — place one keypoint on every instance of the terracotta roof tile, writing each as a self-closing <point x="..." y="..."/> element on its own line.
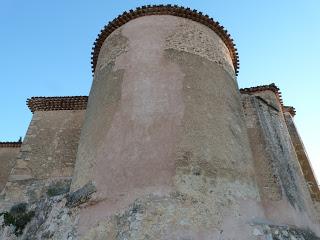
<point x="290" y="110"/>
<point x="57" y="103"/>
<point x="10" y="144"/>
<point x="271" y="87"/>
<point x="173" y="10"/>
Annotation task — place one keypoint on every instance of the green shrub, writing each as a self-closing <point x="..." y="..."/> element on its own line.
<point x="18" y="217"/>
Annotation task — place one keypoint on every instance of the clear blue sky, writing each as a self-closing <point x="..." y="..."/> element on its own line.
<point x="45" y="51"/>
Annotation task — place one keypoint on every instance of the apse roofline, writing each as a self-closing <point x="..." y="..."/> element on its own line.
<point x="169" y="9"/>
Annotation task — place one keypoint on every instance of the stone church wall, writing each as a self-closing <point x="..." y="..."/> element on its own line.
<point x="47" y="155"/>
<point x="169" y="147"/>
<point x="8" y="155"/>
<point x="283" y="190"/>
<point x="302" y="157"/>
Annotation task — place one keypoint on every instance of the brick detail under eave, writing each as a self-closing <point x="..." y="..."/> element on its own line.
<point x="10" y="144"/>
<point x="290" y="110"/>
<point x="271" y="87"/>
<point x="57" y="103"/>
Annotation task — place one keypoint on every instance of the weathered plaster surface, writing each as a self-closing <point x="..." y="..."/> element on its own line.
<point x="164" y="122"/>
<point x="103" y="102"/>
<point x="7" y="159"/>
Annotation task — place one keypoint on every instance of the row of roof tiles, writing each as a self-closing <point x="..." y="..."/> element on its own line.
<point x="57" y="103"/>
<point x="271" y="87"/>
<point x="173" y="10"/>
<point x="10" y="144"/>
<point x="80" y="102"/>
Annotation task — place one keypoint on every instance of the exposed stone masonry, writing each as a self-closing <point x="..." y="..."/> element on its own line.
<point x="8" y="154"/>
<point x="46" y="156"/>
<point x="302" y="156"/>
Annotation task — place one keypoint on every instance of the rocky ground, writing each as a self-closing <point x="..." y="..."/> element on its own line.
<point x="55" y="216"/>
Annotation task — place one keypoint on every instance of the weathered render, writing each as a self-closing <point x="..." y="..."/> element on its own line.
<point x="168" y="146"/>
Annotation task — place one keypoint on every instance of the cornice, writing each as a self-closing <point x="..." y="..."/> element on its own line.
<point x="57" y="103"/>
<point x="173" y="10"/>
